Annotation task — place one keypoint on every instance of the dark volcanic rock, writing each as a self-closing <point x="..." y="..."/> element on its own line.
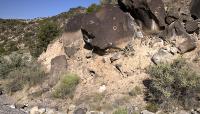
<point x="146" y="10"/>
<point x="58" y="67"/>
<point x="195" y="9"/>
<point x="70" y="51"/>
<point x="74" y="24"/>
<point x="191" y="26"/>
<point x="187" y="45"/>
<point x="109" y="27"/>
<point x="174" y="29"/>
<point x="58" y="63"/>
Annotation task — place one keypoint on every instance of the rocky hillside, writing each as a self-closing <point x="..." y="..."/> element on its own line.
<point x="129" y="57"/>
<point x="25" y="34"/>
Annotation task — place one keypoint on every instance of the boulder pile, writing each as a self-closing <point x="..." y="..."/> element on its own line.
<point x="116" y="26"/>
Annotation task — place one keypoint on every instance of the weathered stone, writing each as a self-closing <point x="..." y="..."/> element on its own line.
<point x="195" y="9"/>
<point x="162" y="56"/>
<point x="58" y="66"/>
<point x="59" y="63"/>
<point x="146" y="112"/>
<point x="174" y="29"/>
<point x="115" y="57"/>
<point x="71" y="50"/>
<point x="145" y="11"/>
<point x="89" y="55"/>
<point x="172" y="16"/>
<point x="8" y="110"/>
<point x="187" y="45"/>
<point x="110" y="27"/>
<point x="74" y="24"/>
<point x="174" y="50"/>
<point x="191" y="26"/>
<point x="80" y="111"/>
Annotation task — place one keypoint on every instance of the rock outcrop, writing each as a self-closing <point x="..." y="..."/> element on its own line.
<point x="109" y="27"/>
<point x="150" y="12"/>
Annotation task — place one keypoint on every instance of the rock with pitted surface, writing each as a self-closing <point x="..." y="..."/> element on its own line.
<point x="147" y="11"/>
<point x="107" y="28"/>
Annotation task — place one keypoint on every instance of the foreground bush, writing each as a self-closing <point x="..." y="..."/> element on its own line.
<point x="19" y="71"/>
<point x="66" y="86"/>
<point x="175" y="84"/>
<point x="121" y="111"/>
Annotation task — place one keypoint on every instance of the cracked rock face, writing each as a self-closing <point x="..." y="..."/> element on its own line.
<point x="147" y="11"/>
<point x="107" y="28"/>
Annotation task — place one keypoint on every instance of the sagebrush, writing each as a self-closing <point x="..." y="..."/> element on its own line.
<point x="174" y="85"/>
<point x="18" y="71"/>
<point x="66" y="86"/>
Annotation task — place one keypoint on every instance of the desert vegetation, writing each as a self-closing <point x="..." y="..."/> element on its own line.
<point x="120" y="111"/>
<point x="66" y="86"/>
<point x="48" y="31"/>
<point x="174" y="85"/>
<point x="19" y="71"/>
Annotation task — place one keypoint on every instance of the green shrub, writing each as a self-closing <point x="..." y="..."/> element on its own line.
<point x="121" y="111"/>
<point x="153" y="107"/>
<point x="66" y="86"/>
<point x="19" y="71"/>
<point x="93" y="8"/>
<point x="48" y="31"/>
<point x="175" y="84"/>
<point x="135" y="91"/>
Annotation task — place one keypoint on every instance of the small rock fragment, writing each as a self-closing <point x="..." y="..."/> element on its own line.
<point x="174" y="50"/>
<point x="146" y="112"/>
<point x="162" y="56"/>
<point x="102" y="89"/>
<point x="80" y="111"/>
<point x="115" y="57"/>
<point x="89" y="55"/>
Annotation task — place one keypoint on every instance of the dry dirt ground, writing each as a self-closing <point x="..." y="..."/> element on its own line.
<point x="102" y="85"/>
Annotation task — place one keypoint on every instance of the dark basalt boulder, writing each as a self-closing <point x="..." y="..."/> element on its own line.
<point x="187" y="45"/>
<point x="58" y="67"/>
<point x="74" y="24"/>
<point x="176" y="28"/>
<point x="195" y="9"/>
<point x="59" y="63"/>
<point x="191" y="26"/>
<point x="146" y="11"/>
<point x="107" y="28"/>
